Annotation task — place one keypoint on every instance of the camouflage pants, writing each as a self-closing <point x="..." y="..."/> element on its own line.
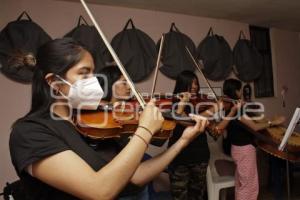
<point x="188" y="182"/>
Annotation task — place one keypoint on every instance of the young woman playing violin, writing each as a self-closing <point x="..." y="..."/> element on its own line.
<point x="242" y="150"/>
<point x="51" y="157"/>
<point x="188" y="169"/>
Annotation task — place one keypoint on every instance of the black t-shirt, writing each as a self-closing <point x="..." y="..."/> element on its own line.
<point x="33" y="139"/>
<point x="195" y="153"/>
<point x="238" y="135"/>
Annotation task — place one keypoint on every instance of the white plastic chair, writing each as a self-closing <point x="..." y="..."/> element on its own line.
<point x="215" y="182"/>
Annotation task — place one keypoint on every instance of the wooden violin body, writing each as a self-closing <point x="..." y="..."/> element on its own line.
<point x="108" y="122"/>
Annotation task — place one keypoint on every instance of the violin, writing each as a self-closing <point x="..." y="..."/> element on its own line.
<point x="111" y="121"/>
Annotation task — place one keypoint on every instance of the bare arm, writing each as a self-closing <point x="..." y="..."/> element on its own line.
<point x="221" y="126"/>
<point x="214" y="108"/>
<point x="225" y="121"/>
<point x="257" y="126"/>
<point x="182" y="103"/>
<point x="68" y="172"/>
<point x="151" y="168"/>
<point x="253" y="125"/>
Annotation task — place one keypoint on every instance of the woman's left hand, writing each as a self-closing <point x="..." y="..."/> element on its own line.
<point x="192" y="132"/>
<point x="237" y="105"/>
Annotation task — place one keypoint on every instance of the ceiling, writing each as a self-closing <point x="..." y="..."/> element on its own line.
<point x="283" y="14"/>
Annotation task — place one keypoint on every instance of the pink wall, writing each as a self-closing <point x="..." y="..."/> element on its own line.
<point x="286" y="59"/>
<point x="58" y="17"/>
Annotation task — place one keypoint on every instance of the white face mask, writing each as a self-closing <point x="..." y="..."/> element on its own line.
<point x="84" y="93"/>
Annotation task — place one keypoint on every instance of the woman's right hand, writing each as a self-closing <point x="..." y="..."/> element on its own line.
<point x="184" y="97"/>
<point x="237" y="105"/>
<point x="151" y="118"/>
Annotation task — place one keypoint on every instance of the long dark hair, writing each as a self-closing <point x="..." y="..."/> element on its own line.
<point x="57" y="57"/>
<point x="111" y="74"/>
<point x="184" y="82"/>
<point x="230" y="87"/>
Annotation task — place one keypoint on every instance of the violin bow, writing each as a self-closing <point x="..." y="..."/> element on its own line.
<point x="157" y="64"/>
<point x="200" y="70"/>
<point x="114" y="55"/>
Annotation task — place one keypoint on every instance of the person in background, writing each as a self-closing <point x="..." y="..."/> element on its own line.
<point x="188" y="170"/>
<point x="242" y="150"/>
